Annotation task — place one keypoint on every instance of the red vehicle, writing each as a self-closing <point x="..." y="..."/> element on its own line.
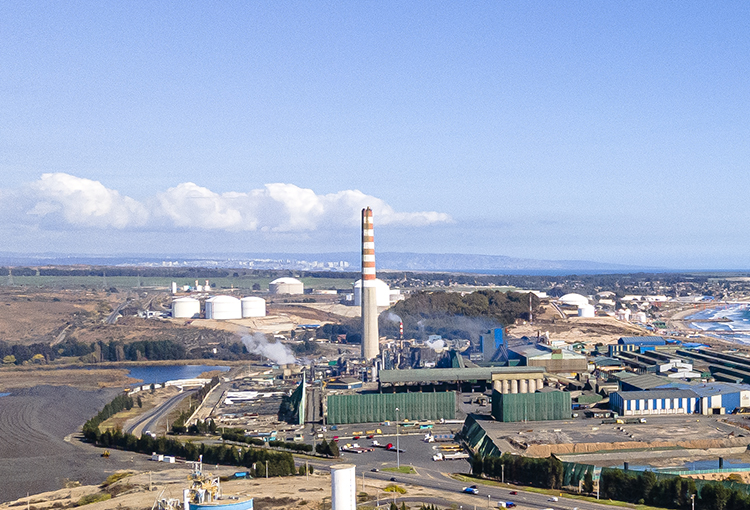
<point x="336" y="438"/>
<point x="513" y="493"/>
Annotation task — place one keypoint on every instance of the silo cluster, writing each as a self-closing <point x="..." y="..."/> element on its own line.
<point x="219" y="308"/>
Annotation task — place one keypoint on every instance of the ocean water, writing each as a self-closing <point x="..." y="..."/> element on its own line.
<point x="737" y="329"/>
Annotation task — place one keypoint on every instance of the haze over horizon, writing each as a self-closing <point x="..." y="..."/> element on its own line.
<point x="614" y="133"/>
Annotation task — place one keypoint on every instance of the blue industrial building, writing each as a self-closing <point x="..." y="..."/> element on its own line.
<point x="636" y="344"/>
<point x="682" y="398"/>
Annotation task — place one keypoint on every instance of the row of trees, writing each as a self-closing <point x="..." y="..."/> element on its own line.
<point x="536" y="472"/>
<point x="238" y="436"/>
<point x="674" y="492"/>
<point x="255" y="459"/>
<point x="634" y="487"/>
<point x="119" y="403"/>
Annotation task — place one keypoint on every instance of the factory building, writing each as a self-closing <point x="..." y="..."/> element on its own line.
<point x="382" y="293"/>
<point x="379" y="407"/>
<point x="286" y="285"/>
<point x="463" y="379"/>
<point x="637" y="344"/>
<point x="253" y="306"/>
<point x="186" y="308"/>
<point x="556" y="360"/>
<point x="553" y="405"/>
<point x="682" y="398"/>
<point x="223" y="308"/>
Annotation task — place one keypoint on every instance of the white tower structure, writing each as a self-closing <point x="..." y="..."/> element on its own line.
<point x="343" y="487"/>
<point x="370" y="336"/>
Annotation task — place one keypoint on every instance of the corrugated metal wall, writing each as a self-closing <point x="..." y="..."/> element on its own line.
<point x="378" y="407"/>
<point x="554" y="405"/>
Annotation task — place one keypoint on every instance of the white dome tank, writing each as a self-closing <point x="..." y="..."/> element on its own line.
<point x="382" y="293"/>
<point x="574" y="300"/>
<point x="343" y="487"/>
<point x="586" y="311"/>
<point x="286" y="285"/>
<point x="223" y="308"/>
<point x="186" y="308"/>
<point x="253" y="306"/>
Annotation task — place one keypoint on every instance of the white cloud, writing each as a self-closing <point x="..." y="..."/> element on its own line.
<point x="83" y="202"/>
<point x="277" y="207"/>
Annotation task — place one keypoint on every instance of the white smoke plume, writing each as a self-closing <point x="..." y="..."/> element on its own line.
<point x="257" y="343"/>
<point x="436" y="345"/>
<point x="393" y="317"/>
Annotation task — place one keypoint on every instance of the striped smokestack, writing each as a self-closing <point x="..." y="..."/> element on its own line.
<point x="370" y="338"/>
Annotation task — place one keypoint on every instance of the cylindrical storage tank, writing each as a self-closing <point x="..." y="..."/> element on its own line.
<point x="186" y="308"/>
<point x="586" y="311"/>
<point x="223" y="308"/>
<point x="253" y="306"/>
<point x="343" y="487"/>
<point x="382" y="293"/>
<point x="286" y="285"/>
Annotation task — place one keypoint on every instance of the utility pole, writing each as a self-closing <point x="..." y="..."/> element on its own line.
<point x="307" y="471"/>
<point x="502" y="467"/>
<point x="266" y="470"/>
<point x="398" y="446"/>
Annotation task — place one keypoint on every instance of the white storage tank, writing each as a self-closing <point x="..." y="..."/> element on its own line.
<point x="223" y="308"/>
<point x="382" y="293"/>
<point x="574" y="300"/>
<point x="186" y="308"/>
<point x="343" y="487"/>
<point x="586" y="311"/>
<point x="253" y="306"/>
<point x="286" y="285"/>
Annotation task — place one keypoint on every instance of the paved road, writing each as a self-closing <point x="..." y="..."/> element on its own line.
<point x="150" y="419"/>
<point x="436" y="475"/>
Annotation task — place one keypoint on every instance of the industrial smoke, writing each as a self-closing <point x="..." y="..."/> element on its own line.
<point x="257" y="343"/>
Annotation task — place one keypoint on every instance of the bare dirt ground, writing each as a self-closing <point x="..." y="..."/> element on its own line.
<point x="34" y="452"/>
<point x="605" y="330"/>
<point x="84" y="379"/>
<point x="139" y="491"/>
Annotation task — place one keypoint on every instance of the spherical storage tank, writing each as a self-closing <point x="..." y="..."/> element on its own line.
<point x="253" y="307"/>
<point x="186" y="308"/>
<point x="223" y="308"/>
<point x="382" y="293"/>
<point x="286" y="286"/>
<point x="343" y="487"/>
<point x="586" y="311"/>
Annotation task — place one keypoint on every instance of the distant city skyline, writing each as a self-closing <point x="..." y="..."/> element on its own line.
<point x="613" y="133"/>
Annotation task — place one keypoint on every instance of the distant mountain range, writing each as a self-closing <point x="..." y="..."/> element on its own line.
<point x="343" y="261"/>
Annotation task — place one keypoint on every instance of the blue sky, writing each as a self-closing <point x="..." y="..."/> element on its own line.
<point x="614" y="132"/>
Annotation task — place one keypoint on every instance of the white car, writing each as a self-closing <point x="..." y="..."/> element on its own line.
<point x="553" y="498"/>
